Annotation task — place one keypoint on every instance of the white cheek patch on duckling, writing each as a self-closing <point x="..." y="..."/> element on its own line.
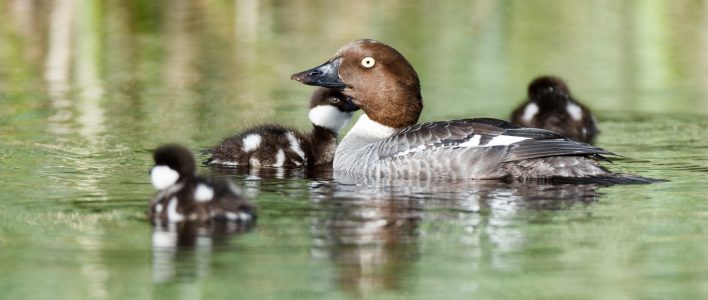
<point x="530" y="111"/>
<point x="172" y="214"/>
<point x="203" y="193"/>
<point x="329" y="117"/>
<point x="575" y="111"/>
<point x="251" y="142"/>
<point x="163" y="177"/>
<point x="295" y="145"/>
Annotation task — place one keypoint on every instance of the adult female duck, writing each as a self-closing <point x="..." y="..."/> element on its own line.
<point x="386" y="143"/>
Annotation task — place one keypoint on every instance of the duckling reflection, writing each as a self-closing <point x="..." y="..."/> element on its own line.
<point x="259" y="173"/>
<point x="181" y="251"/>
<point x="254" y="181"/>
<point x="370" y="237"/>
<point x="312" y="172"/>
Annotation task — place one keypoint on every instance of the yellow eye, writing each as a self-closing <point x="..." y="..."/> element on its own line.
<point x="368" y="62"/>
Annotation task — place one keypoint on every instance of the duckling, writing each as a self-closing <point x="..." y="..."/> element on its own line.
<point x="551" y="106"/>
<point x="272" y="145"/>
<point x="184" y="196"/>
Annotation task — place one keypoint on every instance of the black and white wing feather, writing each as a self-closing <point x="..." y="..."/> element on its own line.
<point x="517" y="143"/>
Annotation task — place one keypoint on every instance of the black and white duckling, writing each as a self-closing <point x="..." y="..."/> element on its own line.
<point x="551" y="106"/>
<point x="184" y="196"/>
<point x="273" y="145"/>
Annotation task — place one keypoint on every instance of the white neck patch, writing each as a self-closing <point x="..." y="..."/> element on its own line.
<point x="329" y="117"/>
<point x="574" y="110"/>
<point x="163" y="177"/>
<point x="366" y="127"/>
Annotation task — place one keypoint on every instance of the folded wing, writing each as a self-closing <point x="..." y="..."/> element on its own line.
<point x="515" y="143"/>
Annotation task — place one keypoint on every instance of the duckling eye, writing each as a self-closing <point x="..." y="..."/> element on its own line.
<point x="368" y="62"/>
<point x="334" y="100"/>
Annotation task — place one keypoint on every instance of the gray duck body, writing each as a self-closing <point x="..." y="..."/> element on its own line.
<point x="465" y="149"/>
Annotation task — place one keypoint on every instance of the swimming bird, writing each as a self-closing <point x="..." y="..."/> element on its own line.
<point x="273" y="145"/>
<point x="551" y="106"/>
<point x="386" y="142"/>
<point x="184" y="196"/>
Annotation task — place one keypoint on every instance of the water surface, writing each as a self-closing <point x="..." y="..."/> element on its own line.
<point x="87" y="89"/>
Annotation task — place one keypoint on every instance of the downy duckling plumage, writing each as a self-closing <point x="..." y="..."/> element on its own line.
<point x="184" y="196"/>
<point x="273" y="145"/>
<point x="550" y="105"/>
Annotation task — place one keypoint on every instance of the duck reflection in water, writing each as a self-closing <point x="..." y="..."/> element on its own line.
<point x="188" y="212"/>
<point x="181" y="251"/>
<point x="371" y="240"/>
<point x="370" y="229"/>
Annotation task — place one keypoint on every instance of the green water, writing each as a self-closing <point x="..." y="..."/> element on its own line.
<point x="87" y="88"/>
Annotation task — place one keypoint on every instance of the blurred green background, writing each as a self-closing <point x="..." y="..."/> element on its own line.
<point x="214" y="66"/>
<point x="88" y="88"/>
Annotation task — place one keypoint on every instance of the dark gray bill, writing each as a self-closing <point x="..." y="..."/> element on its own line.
<point x="326" y="75"/>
